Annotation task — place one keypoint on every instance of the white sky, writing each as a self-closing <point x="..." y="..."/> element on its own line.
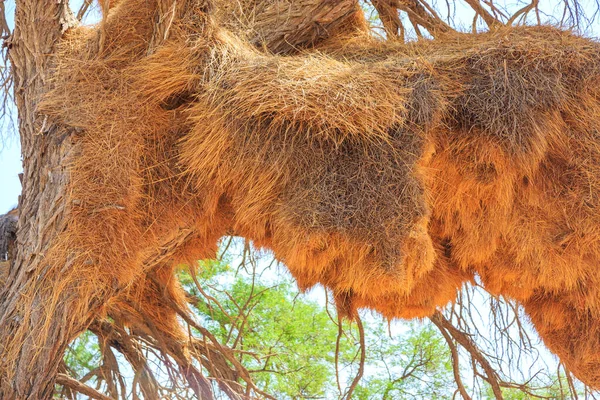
<point x="10" y="167"/>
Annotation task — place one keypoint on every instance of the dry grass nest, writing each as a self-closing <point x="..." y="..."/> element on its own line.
<point x="390" y="173"/>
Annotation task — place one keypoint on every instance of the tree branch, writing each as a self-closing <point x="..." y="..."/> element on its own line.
<point x="74" y="384"/>
<point x="461" y="337"/>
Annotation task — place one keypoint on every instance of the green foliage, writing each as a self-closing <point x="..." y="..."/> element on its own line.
<point x="289" y="337"/>
<point x="288" y="340"/>
<point x="413" y="364"/>
<point x="83" y="355"/>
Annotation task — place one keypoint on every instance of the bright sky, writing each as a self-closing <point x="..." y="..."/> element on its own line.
<point x="10" y="167"/>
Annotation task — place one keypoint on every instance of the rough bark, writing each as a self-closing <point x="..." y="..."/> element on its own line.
<point x="8" y="232"/>
<point x="287" y="26"/>
<point x="38" y="27"/>
<point x="8" y="236"/>
<point x="417" y="14"/>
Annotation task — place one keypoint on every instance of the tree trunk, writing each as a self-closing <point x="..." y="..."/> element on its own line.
<point x="38" y="27"/>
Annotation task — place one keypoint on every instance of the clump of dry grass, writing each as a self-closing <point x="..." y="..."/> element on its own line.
<point x="389" y="173"/>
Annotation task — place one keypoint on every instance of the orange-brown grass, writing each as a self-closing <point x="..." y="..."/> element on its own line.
<point x="389" y="173"/>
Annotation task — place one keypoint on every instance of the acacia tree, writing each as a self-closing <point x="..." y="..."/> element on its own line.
<point x="29" y="369"/>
